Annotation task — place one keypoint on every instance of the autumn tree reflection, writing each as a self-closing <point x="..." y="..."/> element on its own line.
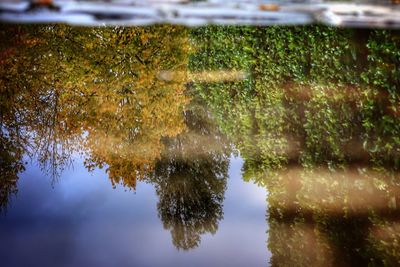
<point x="11" y="165"/>
<point x="190" y="179"/>
<point x="12" y="115"/>
<point x="127" y="109"/>
<point x="95" y="91"/>
<point x="101" y="92"/>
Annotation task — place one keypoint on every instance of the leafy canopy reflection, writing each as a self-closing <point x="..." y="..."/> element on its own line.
<point x="93" y="90"/>
<point x="316" y="122"/>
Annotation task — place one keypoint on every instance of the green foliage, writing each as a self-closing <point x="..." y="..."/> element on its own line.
<point x="303" y="100"/>
<point x="316" y="121"/>
<point x="380" y="113"/>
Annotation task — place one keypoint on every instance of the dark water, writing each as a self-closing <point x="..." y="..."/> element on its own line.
<point x="212" y="146"/>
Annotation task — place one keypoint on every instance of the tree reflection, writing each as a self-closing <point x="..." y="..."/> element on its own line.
<point x="98" y="91"/>
<point x="130" y="109"/>
<point x="190" y="179"/>
<point x="12" y="140"/>
<point x="11" y="165"/>
<point x="316" y="122"/>
<point x="93" y="91"/>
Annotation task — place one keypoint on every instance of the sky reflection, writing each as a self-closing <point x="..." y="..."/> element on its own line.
<point x="83" y="221"/>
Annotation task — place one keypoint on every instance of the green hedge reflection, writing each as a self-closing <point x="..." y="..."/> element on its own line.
<point x="316" y="121"/>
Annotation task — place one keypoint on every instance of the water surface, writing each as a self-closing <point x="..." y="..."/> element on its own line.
<point x="212" y="146"/>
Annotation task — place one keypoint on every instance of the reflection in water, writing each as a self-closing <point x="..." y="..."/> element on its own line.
<point x="79" y="89"/>
<point x="317" y="124"/>
<point x="313" y="111"/>
<point x="11" y="165"/>
<point x="191" y="178"/>
<point x="334" y="218"/>
<point x="98" y="93"/>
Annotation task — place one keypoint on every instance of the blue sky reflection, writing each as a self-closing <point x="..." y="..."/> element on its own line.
<point x="83" y="221"/>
